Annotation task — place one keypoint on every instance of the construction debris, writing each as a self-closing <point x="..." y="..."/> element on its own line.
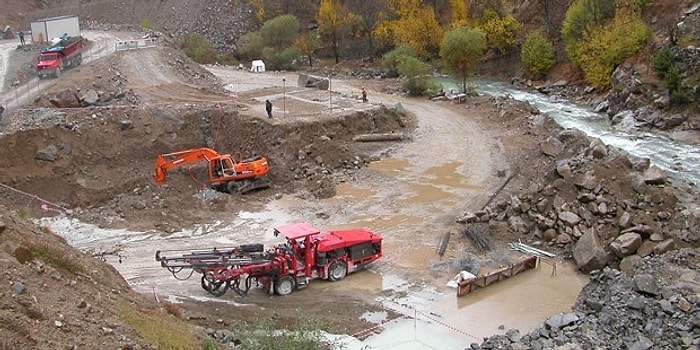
<point x="524" y="248"/>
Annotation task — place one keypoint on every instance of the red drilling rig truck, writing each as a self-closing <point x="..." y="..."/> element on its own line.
<point x="306" y="255"/>
<point x="64" y="53"/>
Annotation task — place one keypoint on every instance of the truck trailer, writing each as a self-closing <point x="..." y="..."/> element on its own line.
<point x="43" y="30"/>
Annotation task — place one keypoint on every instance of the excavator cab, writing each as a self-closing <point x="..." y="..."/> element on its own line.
<point x="223" y="167"/>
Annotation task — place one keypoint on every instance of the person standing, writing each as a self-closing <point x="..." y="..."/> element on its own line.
<point x="21" y="38"/>
<point x="268" y="108"/>
<point x="364" y="94"/>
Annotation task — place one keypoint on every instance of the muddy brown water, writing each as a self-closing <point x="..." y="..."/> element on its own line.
<point x="411" y="198"/>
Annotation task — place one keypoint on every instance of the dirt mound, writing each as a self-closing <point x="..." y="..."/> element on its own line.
<point x="56" y="297"/>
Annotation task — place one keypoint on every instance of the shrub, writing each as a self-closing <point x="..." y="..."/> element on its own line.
<point x="537" y="54"/>
<point x="163" y="331"/>
<point x="198" y="48"/>
<point x="306" y="335"/>
<point x="250" y="46"/>
<point x="391" y="59"/>
<point x="417" y="73"/>
<point x="280" y="59"/>
<point x="609" y="45"/>
<point x="662" y="61"/>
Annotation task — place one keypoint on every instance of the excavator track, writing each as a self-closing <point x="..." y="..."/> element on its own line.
<point x="247" y="185"/>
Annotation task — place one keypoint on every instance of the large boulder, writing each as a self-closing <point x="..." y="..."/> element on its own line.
<point x="65" y="99"/>
<point x="589" y="254"/>
<point x="626" y="244"/>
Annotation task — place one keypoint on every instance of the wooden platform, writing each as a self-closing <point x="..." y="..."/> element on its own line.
<point x="469" y="285"/>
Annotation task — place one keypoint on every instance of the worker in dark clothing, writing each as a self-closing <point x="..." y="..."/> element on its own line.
<point x="364" y="94"/>
<point x="21" y="38"/>
<point x="268" y="108"/>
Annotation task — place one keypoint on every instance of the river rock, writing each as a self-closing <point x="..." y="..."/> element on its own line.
<point x="589" y="254"/>
<point x="552" y="146"/>
<point x="664" y="246"/>
<point x="560" y="321"/>
<point x="626" y="244"/>
<point x="586" y="180"/>
<point x="569" y="218"/>
<point x="645" y="283"/>
<point x="655" y="176"/>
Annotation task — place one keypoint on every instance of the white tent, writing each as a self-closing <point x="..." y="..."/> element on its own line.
<point x="257" y="66"/>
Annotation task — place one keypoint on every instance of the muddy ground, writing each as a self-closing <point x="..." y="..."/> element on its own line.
<point x="95" y="164"/>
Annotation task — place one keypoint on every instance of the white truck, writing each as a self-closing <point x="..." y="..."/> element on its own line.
<point x="46" y="29"/>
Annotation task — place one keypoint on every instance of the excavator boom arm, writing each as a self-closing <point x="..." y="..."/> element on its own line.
<point x="167" y="161"/>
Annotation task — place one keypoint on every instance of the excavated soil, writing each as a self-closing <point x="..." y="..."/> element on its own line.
<point x="95" y="164"/>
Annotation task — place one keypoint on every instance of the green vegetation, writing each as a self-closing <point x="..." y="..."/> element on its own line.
<point x="276" y="43"/>
<point x="418" y="77"/>
<point x="146" y="24"/>
<point x="250" y="46"/>
<point x="391" y="59"/>
<point x="580" y="16"/>
<point x="664" y="64"/>
<point x="280" y="31"/>
<point x="305" y="335"/>
<point x="198" y="48"/>
<point x="162" y="330"/>
<point x="460" y="50"/>
<point x="537" y="54"/>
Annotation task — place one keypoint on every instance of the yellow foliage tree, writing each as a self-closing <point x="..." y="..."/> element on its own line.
<point x="259" y="10"/>
<point x="415" y="25"/>
<point x="606" y="46"/>
<point x="333" y="20"/>
<point x="458" y="13"/>
<point x="501" y="31"/>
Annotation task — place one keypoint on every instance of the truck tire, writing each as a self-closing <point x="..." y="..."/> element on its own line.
<point x="337" y="271"/>
<point x="284" y="285"/>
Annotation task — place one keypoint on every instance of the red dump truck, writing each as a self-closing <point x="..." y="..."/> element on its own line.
<point x="64" y="53"/>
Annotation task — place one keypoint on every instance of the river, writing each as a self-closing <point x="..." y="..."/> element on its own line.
<point x="681" y="161"/>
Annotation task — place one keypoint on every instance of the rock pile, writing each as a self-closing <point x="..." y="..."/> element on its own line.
<point x="598" y="204"/>
<point x="658" y="308"/>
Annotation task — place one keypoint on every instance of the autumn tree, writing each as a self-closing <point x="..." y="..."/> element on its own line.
<point x="368" y="16"/>
<point x="580" y="16"/>
<point x="333" y="20"/>
<point x="458" y="13"/>
<point x="415" y="25"/>
<point x="308" y="44"/>
<point x="606" y="46"/>
<point x="460" y="50"/>
<point x="501" y="31"/>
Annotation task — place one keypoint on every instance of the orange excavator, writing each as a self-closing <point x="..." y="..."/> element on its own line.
<point x="226" y="174"/>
